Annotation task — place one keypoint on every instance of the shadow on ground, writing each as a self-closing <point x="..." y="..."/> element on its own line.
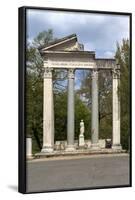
<point x="13" y="187"/>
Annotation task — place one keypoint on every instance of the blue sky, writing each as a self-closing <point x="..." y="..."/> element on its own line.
<point x="98" y="32"/>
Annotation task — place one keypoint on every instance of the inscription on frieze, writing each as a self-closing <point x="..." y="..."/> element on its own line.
<point x="70" y="64"/>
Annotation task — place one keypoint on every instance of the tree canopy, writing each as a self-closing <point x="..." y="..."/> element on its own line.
<point x="34" y="96"/>
<point x="123" y="58"/>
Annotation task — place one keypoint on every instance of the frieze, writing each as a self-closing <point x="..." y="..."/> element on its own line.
<point x="69" y="64"/>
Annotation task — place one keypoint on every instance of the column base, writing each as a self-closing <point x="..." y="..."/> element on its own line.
<point x="30" y="157"/>
<point x="70" y="148"/>
<point x="117" y="147"/>
<point x="47" y="150"/>
<point x="95" y="146"/>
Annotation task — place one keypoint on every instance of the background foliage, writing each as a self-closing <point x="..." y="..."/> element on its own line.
<point x="34" y="96"/>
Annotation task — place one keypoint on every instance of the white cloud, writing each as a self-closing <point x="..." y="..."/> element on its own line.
<point x="109" y="54"/>
<point x="98" y="32"/>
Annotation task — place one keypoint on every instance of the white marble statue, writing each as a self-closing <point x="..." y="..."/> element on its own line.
<point x="81" y="136"/>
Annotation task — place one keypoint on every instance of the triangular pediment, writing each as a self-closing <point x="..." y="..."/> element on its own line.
<point x="68" y="43"/>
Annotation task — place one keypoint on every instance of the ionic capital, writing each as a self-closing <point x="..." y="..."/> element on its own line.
<point x="94" y="73"/>
<point x="48" y="72"/>
<point x="71" y="73"/>
<point x="116" y="73"/>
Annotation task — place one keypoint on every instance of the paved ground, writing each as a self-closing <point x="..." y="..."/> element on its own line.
<point x="94" y="171"/>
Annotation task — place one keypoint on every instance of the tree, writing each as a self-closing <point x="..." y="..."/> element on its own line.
<point x="105" y="104"/>
<point x="122" y="56"/>
<point x="43" y="38"/>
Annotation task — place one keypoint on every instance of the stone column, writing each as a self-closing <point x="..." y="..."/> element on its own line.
<point x="116" y="109"/>
<point x="48" y="112"/>
<point x="29" y="147"/>
<point x="95" y="114"/>
<point x="70" y="111"/>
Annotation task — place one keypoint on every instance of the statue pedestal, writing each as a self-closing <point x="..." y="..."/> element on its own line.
<point x="81" y="140"/>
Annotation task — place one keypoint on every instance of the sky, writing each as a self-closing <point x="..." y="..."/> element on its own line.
<point x="98" y="32"/>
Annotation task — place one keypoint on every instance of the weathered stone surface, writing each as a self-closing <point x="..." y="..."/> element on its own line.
<point x="48" y="113"/>
<point x="95" y="114"/>
<point x="116" y="110"/>
<point x="105" y="63"/>
<point x="70" y="111"/>
<point x="87" y="144"/>
<point x="63" y="44"/>
<point x="70" y="59"/>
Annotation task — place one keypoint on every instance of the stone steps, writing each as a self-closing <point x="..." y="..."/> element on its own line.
<point x="78" y="152"/>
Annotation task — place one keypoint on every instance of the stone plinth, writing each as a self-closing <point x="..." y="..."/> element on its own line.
<point x="29" y="148"/>
<point x="81" y="141"/>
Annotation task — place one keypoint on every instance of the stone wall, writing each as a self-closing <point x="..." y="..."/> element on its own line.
<point x="61" y="145"/>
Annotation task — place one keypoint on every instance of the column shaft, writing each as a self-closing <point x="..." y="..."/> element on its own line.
<point x="116" y="110"/>
<point x="48" y="112"/>
<point x="70" y="111"/>
<point x="95" y="114"/>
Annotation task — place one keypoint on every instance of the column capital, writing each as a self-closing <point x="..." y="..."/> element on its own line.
<point x="94" y="73"/>
<point x="48" y="72"/>
<point x="116" y="73"/>
<point x="71" y="73"/>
